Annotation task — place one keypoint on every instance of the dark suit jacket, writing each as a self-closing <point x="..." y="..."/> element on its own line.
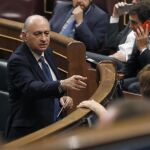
<point x="116" y="37"/>
<point x="31" y="96"/>
<point x="136" y="62"/>
<point x="92" y="31"/>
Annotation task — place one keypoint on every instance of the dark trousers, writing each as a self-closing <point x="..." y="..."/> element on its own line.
<point x="17" y="132"/>
<point x="131" y="85"/>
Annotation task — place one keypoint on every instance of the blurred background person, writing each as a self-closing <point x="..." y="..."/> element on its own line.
<point x="83" y="21"/>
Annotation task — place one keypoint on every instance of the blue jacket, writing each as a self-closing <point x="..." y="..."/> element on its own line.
<point x="91" y="32"/>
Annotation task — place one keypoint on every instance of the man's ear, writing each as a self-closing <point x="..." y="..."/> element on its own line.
<point x="23" y="36"/>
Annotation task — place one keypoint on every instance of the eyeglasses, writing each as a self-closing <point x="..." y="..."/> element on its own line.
<point x="133" y="22"/>
<point x="39" y="34"/>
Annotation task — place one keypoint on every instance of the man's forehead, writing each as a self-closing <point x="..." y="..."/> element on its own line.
<point x="133" y="17"/>
<point x="136" y="1"/>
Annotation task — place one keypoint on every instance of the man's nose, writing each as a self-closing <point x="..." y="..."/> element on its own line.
<point x="79" y="1"/>
<point x="43" y="36"/>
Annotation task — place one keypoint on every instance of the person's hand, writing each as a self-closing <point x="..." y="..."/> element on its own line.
<point x="78" y="14"/>
<point x="141" y="38"/>
<point x="66" y="102"/>
<point x="119" y="55"/>
<point x="94" y="106"/>
<point x="75" y="82"/>
<point x="118" y="9"/>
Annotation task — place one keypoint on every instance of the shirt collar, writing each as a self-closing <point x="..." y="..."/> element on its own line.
<point x="36" y="56"/>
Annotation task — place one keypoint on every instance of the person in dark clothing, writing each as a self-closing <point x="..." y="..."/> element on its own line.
<point x="35" y="88"/>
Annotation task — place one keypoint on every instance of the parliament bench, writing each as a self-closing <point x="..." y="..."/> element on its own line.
<point x="106" y="79"/>
<point x="133" y="134"/>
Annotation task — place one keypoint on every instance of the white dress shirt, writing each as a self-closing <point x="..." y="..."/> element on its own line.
<point x="127" y="47"/>
<point x="37" y="57"/>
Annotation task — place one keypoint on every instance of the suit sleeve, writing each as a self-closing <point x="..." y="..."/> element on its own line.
<point x="25" y="80"/>
<point x="144" y="58"/>
<point x="136" y="62"/>
<point x="114" y="36"/>
<point x="93" y="38"/>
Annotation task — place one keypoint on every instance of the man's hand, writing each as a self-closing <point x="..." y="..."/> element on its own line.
<point x="78" y="14"/>
<point x="66" y="102"/>
<point x="75" y="82"/>
<point x="142" y="38"/>
<point x="118" y="9"/>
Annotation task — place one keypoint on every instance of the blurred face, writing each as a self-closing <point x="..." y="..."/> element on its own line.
<point x="135" y="1"/>
<point x="134" y="22"/>
<point x="37" y="36"/>
<point x="82" y="3"/>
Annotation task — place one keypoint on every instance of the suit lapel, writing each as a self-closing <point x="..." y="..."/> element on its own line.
<point x="50" y="61"/>
<point x="34" y="64"/>
<point x="127" y="30"/>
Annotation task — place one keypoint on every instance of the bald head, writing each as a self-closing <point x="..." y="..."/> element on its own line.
<point x="33" y="20"/>
<point x="36" y="33"/>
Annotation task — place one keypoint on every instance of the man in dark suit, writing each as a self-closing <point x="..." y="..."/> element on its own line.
<point x="120" y="41"/>
<point x="34" y="84"/>
<point x="140" y="57"/>
<point x="83" y="21"/>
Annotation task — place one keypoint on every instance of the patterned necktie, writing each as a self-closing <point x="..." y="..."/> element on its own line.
<point x="48" y="76"/>
<point x="45" y="69"/>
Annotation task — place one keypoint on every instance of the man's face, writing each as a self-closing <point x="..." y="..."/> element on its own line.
<point x="82" y="3"/>
<point x="134" y="22"/>
<point x="37" y="36"/>
<point x="136" y="1"/>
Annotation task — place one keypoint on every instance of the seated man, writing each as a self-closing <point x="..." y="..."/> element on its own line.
<point x="35" y="89"/>
<point x="122" y="41"/>
<point x="81" y="20"/>
<point x="140" y="57"/>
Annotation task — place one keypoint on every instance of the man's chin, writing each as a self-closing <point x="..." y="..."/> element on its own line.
<point x="43" y="48"/>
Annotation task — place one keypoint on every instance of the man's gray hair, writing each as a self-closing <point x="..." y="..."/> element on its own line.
<point x="29" y="20"/>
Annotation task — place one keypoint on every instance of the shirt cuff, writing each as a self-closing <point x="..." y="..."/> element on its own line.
<point x="60" y="89"/>
<point x="114" y="19"/>
<point x="77" y="25"/>
<point x="143" y="50"/>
